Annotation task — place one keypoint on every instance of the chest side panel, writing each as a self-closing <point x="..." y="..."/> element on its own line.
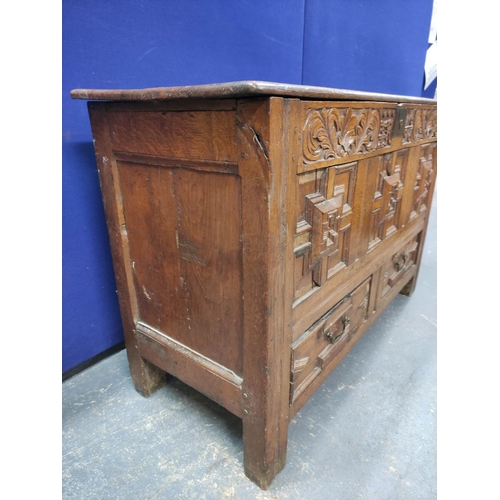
<point x="180" y="195"/>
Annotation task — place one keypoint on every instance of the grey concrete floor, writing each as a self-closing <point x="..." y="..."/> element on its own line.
<point x="368" y="433"/>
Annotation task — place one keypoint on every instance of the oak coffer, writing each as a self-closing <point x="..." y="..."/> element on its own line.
<point x="257" y="230"/>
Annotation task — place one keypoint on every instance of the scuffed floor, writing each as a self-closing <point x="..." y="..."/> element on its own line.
<point x="368" y="433"/>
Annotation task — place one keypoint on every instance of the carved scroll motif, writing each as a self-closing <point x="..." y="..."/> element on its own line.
<point x="420" y="124"/>
<point x="332" y="133"/>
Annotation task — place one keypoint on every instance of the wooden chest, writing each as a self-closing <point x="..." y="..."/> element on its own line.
<point x="257" y="231"/>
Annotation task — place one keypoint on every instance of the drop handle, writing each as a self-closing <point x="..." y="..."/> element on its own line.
<point x="335" y="338"/>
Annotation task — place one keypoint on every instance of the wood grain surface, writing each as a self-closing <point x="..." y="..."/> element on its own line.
<point x="256" y="235"/>
<point x="247" y="88"/>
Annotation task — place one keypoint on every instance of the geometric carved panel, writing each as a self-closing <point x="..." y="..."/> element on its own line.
<point x="326" y="228"/>
<point x="423" y="180"/>
<point x="386" y="204"/>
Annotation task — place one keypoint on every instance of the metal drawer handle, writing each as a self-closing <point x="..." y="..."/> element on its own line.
<point x="330" y="335"/>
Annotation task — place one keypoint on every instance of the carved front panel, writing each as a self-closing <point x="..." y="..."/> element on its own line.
<point x="424" y="179"/>
<point x="387" y="176"/>
<point x="323" y="232"/>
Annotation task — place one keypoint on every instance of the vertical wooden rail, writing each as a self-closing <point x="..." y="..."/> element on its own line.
<point x="146" y="376"/>
<point x="263" y="140"/>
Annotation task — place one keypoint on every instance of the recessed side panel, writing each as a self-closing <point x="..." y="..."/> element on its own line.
<point x="183" y="229"/>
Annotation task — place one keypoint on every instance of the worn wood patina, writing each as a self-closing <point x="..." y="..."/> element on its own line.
<point x="257" y="231"/>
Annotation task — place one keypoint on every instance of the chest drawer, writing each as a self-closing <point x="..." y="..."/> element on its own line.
<point x="318" y="346"/>
<point x="398" y="270"/>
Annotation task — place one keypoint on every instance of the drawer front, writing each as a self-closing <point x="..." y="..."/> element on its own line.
<point x="396" y="272"/>
<point x="318" y="346"/>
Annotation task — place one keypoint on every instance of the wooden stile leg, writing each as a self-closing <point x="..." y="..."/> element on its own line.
<point x="409" y="288"/>
<point x="147" y="377"/>
<point x="265" y="443"/>
<point x="266" y="377"/>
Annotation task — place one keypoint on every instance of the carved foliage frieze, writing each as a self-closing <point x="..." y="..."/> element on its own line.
<point x="331" y="133"/>
<point x="420" y="124"/>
